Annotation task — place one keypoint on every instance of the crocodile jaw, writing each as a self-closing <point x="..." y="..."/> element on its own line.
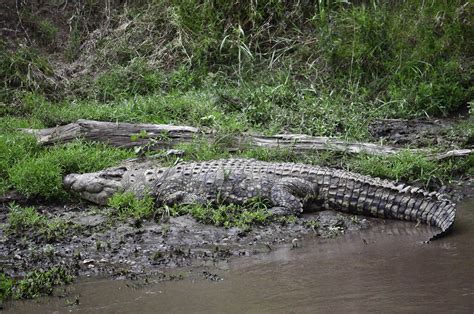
<point x="97" y="187"/>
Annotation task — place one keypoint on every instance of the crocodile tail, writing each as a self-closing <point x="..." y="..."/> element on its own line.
<point x="444" y="218"/>
<point x="432" y="209"/>
<point x="354" y="193"/>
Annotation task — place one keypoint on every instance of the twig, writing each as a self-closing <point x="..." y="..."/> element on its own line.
<point x="18" y="5"/>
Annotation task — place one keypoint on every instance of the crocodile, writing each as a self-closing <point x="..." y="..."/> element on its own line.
<point x="290" y="188"/>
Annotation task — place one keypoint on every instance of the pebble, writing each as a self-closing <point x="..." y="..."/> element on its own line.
<point x="294" y="243"/>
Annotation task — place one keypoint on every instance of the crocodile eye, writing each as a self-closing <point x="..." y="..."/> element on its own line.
<point x="114" y="174"/>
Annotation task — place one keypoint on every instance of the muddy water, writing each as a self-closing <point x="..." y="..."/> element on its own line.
<point x="383" y="269"/>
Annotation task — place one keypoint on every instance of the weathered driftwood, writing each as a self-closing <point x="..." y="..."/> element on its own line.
<point x="452" y="153"/>
<point x="116" y="134"/>
<point x="166" y="136"/>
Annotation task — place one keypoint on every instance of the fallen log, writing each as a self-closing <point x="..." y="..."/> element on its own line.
<point x="159" y="136"/>
<point x="124" y="135"/>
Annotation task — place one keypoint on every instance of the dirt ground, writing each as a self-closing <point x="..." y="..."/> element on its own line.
<point x="109" y="247"/>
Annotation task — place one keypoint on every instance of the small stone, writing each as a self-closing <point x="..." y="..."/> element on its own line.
<point x="294" y="243"/>
<point x="88" y="261"/>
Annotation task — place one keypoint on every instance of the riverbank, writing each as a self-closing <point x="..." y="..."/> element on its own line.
<point x="334" y="69"/>
<point x="382" y="267"/>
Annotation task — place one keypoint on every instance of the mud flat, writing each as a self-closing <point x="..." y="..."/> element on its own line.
<point x="384" y="267"/>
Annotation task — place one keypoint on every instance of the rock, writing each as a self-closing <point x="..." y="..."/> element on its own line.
<point x="88" y="261"/>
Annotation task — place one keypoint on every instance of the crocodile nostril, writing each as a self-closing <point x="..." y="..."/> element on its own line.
<point x="69" y="180"/>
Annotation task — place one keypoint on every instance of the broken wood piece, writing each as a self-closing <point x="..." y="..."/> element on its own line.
<point x="124" y="135"/>
<point x="159" y="136"/>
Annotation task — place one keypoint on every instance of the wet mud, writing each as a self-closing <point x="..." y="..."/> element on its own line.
<point x="384" y="268"/>
<point x="102" y="245"/>
<point x="419" y="133"/>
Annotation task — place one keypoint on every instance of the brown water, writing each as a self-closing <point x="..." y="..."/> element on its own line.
<point x="384" y="269"/>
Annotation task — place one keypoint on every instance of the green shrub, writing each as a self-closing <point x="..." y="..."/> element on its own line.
<point x="41" y="175"/>
<point x="38" y="176"/>
<point x="404" y="166"/>
<point x="38" y="282"/>
<point x="128" y="205"/>
<point x="27" y="221"/>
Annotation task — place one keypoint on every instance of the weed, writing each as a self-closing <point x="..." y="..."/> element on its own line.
<point x="74" y="43"/>
<point x="22" y="220"/>
<point x="23" y="69"/>
<point x="128" y="205"/>
<point x="6" y="287"/>
<point x="38" y="282"/>
<point x="37" y="177"/>
<point x="121" y="82"/>
<point x="244" y="217"/>
<point x="405" y="166"/>
<point x="312" y="224"/>
<point x="41" y="174"/>
<point x="34" y="284"/>
<point x="157" y="256"/>
<point x="287" y="220"/>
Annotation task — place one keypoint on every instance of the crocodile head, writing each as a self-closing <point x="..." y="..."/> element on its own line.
<point x="98" y="187"/>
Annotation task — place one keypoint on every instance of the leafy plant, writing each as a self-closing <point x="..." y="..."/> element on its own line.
<point x="38" y="282"/>
<point x="26" y="219"/>
<point x="244" y="217"/>
<point x="39" y="176"/>
<point x="128" y="205"/>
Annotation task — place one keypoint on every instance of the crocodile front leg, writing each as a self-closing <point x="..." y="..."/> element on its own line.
<point x="288" y="195"/>
<point x="183" y="198"/>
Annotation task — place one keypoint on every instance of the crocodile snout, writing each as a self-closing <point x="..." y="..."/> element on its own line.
<point x="69" y="180"/>
<point x="95" y="187"/>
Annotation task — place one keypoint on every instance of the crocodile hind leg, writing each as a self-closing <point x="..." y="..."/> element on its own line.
<point x="288" y="195"/>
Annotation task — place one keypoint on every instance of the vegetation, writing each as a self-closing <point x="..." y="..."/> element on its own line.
<point x="324" y="68"/>
<point x="27" y="221"/>
<point x="128" y="205"/>
<point x="38" y="173"/>
<point x="33" y="284"/>
<point x="244" y="217"/>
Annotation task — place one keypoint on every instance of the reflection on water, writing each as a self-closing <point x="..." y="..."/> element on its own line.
<point x="384" y="269"/>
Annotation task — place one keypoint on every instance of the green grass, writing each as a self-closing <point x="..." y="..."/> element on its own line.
<point x="412" y="168"/>
<point x="6" y="287"/>
<point x="128" y="205"/>
<point x="34" y="284"/>
<point x="36" y="172"/>
<point x="270" y="67"/>
<point x="23" y="220"/>
<point x="255" y="212"/>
